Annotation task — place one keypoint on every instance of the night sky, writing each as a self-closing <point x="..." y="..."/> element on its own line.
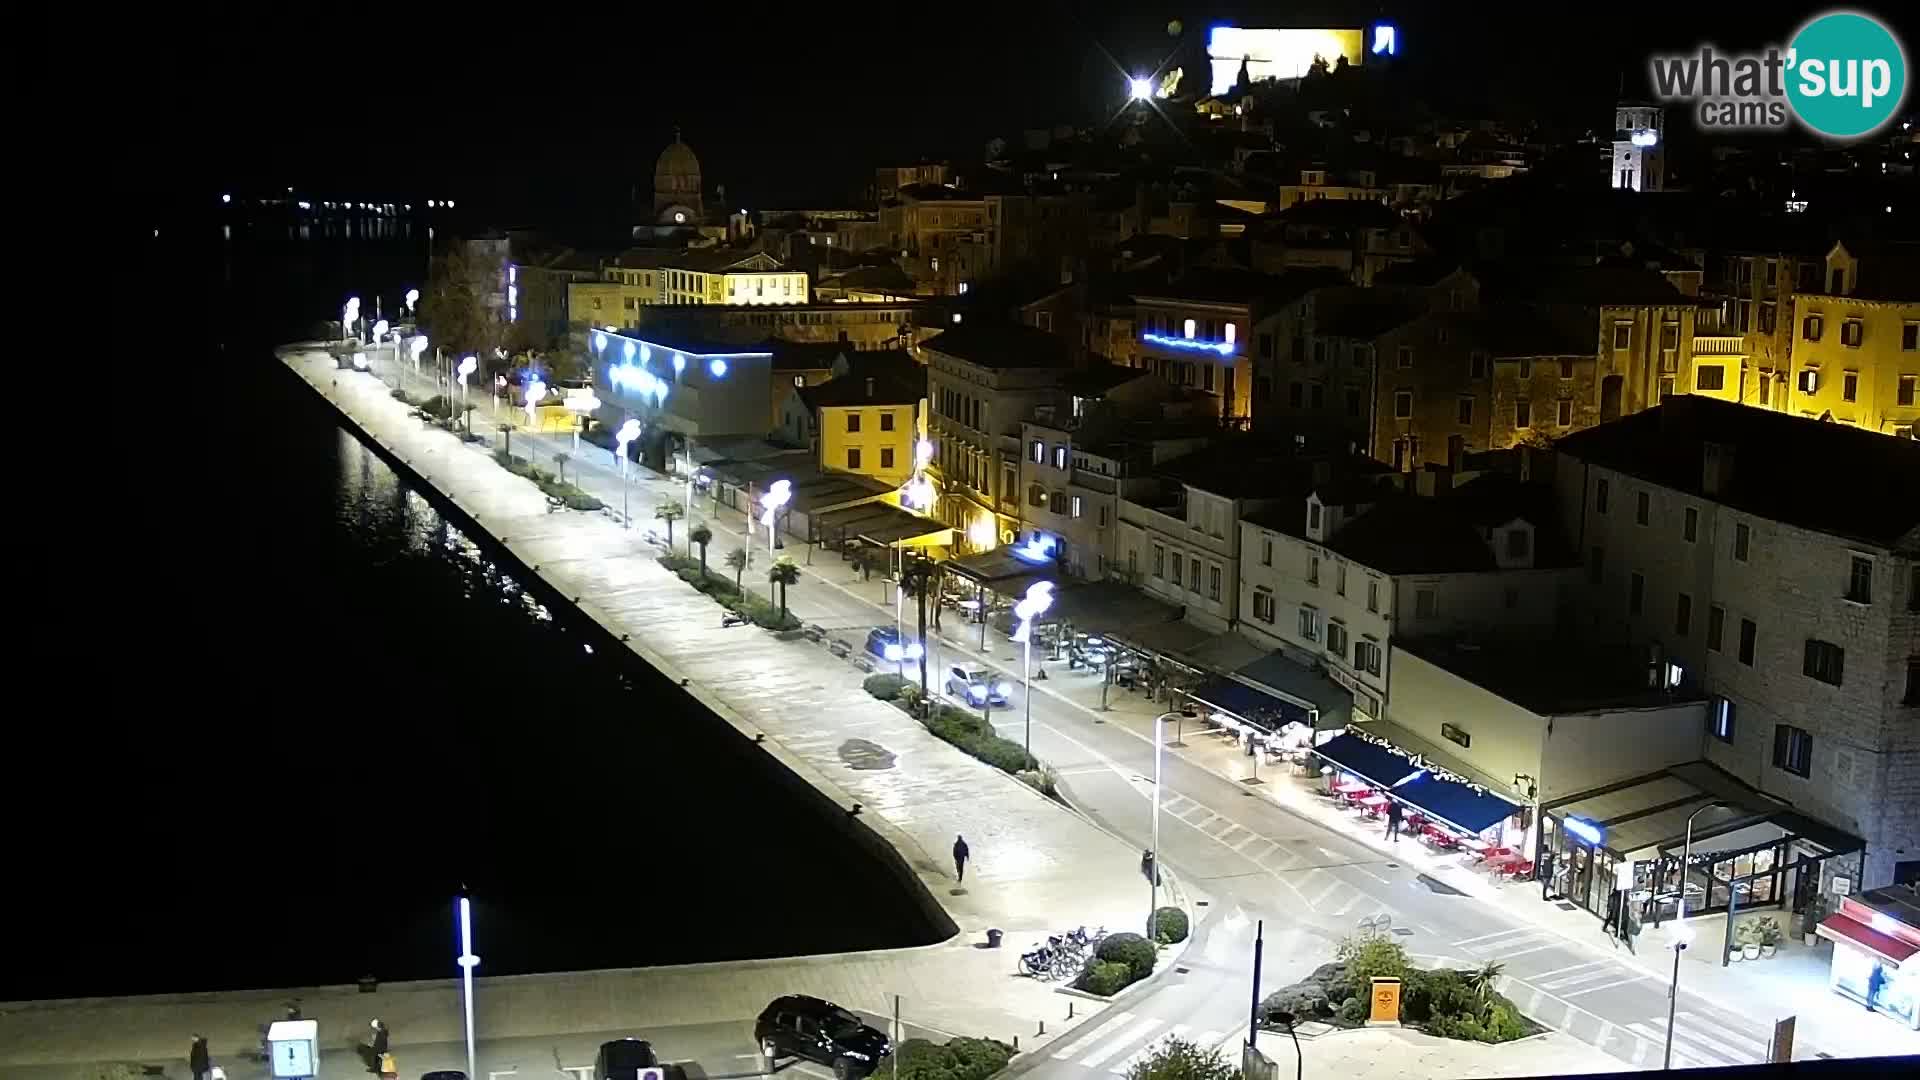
<point x="785" y="107"/>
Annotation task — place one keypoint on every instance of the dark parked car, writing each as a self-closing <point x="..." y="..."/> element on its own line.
<point x="444" y="1074"/>
<point x="622" y="1059"/>
<point x="821" y="1032"/>
<point x="885" y="643"/>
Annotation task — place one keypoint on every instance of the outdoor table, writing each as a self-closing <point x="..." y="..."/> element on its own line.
<point x="1475" y="845"/>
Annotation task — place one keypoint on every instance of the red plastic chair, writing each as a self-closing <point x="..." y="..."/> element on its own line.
<point x="1521" y="871"/>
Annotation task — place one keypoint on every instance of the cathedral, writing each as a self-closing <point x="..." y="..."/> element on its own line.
<point x="677" y="201"/>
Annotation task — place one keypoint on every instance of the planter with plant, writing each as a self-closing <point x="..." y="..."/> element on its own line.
<point x="1769" y="936"/>
<point x="1810" y="922"/>
<point x="1746" y="939"/>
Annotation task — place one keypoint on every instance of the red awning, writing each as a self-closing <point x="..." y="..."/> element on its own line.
<point x="1885" y="946"/>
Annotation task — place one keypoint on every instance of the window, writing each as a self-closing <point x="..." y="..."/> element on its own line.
<point x="1748" y="633"/>
<point x="1102" y="519"/>
<point x="1522" y="413"/>
<point x="1519" y="543"/>
<point x="1266" y="551"/>
<point x="1366" y="656"/>
<point x="886" y="457"/>
<point x="1690" y="524"/>
<point x="1402" y="404"/>
<point x="1316" y="396"/>
<point x="1769" y="316"/>
<point x="1810" y="327"/>
<point x="1666" y="387"/>
<point x="1600" y="488"/>
<point x="1526" y="367"/>
<point x="1036" y="495"/>
<point x="1057" y="502"/>
<point x="1742" y="542"/>
<point x="1622" y="336"/>
<point x="1177" y="573"/>
<point x="1716" y="626"/>
<point x="1340" y="579"/>
<point x="1403" y="357"/>
<point x="1206" y="377"/>
<point x="1188" y="326"/>
<point x="1373" y="596"/>
<point x="1824" y="661"/>
<point x="1337" y="639"/>
<point x="1313" y="569"/>
<point x="1078" y="506"/>
<point x="1908" y="392"/>
<point x="1683" y="615"/>
<point x="1060" y="455"/>
<point x="1309" y="624"/>
<point x="1720" y="719"/>
<point x="1709" y="377"/>
<point x="1636" y="593"/>
<point x="1296" y="394"/>
<point x="1913" y="682"/>
<point x="1465" y="410"/>
<point x="1354" y="398"/>
<point x="1596" y="566"/>
<point x="1850" y="386"/>
<point x="1266" y="346"/>
<point x="1313" y="517"/>
<point x="1038" y="451"/>
<point x="1860" y="580"/>
<point x="1792" y="750"/>
<point x="1670" y="336"/>
<point x="1563" y="413"/>
<point x="1566" y="367"/>
<point x="1476" y="365"/>
<point x="1809" y="380"/>
<point x="1642" y="507"/>
<point x="853" y="423"/>
<point x="1510" y="598"/>
<point x="853" y="457"/>
<point x="1850" y="332"/>
<point x="1159" y="562"/>
<point x="1193" y="583"/>
<point x="1213" y="583"/>
<point x="1263" y="605"/>
<point x="1426" y="604"/>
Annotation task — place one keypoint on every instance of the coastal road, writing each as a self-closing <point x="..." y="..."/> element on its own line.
<point x="1248" y="856"/>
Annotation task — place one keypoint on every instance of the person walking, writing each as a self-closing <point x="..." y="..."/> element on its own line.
<point x="380" y="1036"/>
<point x="960" y="856"/>
<point x="1393" y="820"/>
<point x="199" y="1060"/>
<point x="1611" y="924"/>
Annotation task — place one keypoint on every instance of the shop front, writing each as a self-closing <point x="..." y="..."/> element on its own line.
<point x="1875" y="936"/>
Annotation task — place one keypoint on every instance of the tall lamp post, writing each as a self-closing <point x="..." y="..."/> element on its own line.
<point x="1153" y="879"/>
<point x="1681" y="935"/>
<point x="1038" y="598"/>
<point x="419" y="346"/>
<point x="628" y="432"/>
<point x="349" y="314"/>
<point x="468" y="961"/>
<point x="686" y="467"/>
<point x="777" y="495"/>
<point x="536" y="393"/>
<point x="467" y="366"/>
<point x="412" y="298"/>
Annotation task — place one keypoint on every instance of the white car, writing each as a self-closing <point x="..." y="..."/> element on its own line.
<point x="978" y="686"/>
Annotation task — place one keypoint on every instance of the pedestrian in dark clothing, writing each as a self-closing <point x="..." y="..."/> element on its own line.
<point x="1612" y="920"/>
<point x="379" y="1043"/>
<point x="1876" y="979"/>
<point x="1393" y="821"/>
<point x="960" y="857"/>
<point x="198" y="1060"/>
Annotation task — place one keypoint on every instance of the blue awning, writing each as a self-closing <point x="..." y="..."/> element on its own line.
<point x="1255" y="707"/>
<point x="1455" y="803"/>
<point x="1366" y="760"/>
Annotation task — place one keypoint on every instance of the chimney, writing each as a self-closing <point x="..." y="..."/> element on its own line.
<point x="869" y="386"/>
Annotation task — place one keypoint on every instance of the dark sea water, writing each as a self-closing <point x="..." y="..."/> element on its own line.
<point x="288" y="711"/>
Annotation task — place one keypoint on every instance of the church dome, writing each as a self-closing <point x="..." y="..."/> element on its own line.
<point x="678" y="170"/>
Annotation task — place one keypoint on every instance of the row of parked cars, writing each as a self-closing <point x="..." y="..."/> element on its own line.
<point x="974" y="685"/>
<point x="795" y="1026"/>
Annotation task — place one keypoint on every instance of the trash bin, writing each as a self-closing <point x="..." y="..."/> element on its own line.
<point x="993" y="939"/>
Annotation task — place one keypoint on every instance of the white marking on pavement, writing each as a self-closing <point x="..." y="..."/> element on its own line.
<point x="1373" y="875"/>
<point x="1496" y="934"/>
<point x="1209" y="1039"/>
<point x="1082" y="1043"/>
<point x="1628" y="981"/>
<point x="1120" y="1042"/>
<point x="1684" y="1055"/>
<point x="1175" y="1032"/>
<point x="1508" y="954"/>
<point x="1327" y="892"/>
<point x="1251" y="837"/>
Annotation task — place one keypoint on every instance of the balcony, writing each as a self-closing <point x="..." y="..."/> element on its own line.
<point x="1719" y="345"/>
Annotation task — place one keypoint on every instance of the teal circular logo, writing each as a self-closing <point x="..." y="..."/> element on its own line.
<point x="1848" y="75"/>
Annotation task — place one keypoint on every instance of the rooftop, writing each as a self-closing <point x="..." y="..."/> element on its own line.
<point x="718" y="260"/>
<point x="1823" y="476"/>
<point x="1246" y="469"/>
<point x="1550" y="283"/>
<point x="1246" y="287"/>
<point x="1094" y="381"/>
<point x="1339" y="214"/>
<point x="856" y="390"/>
<point x="1548" y="677"/>
<point x="1001" y="346"/>
<point x="692" y="346"/>
<point x="1441" y="534"/>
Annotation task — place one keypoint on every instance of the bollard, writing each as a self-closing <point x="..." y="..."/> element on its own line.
<point x="1016" y="1044"/>
<point x="1069" y="1008"/>
<point x="1042" y="1032"/>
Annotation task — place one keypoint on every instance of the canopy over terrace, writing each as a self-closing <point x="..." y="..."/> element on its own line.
<point x="881" y="524"/>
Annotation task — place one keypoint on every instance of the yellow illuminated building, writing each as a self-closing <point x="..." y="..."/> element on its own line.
<point x="1856" y="348"/>
<point x="729" y="277"/>
<point x="868" y="420"/>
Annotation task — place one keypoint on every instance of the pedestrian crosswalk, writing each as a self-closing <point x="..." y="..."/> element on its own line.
<point x="1117" y="1044"/>
<point x="1699" y="1041"/>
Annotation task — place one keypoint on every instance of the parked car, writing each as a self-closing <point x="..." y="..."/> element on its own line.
<point x="622" y="1059"/>
<point x="437" y="1074"/>
<point x="891" y="646"/>
<point x="820" y="1032"/>
<point x="977" y="685"/>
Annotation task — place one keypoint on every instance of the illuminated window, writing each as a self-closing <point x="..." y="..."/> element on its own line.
<point x="1189" y="327"/>
<point x="1809" y="380"/>
<point x="1229" y="333"/>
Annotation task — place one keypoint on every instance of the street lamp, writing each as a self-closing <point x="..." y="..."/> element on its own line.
<point x="349" y="315"/>
<point x="778" y="493"/>
<point x="467" y="961"/>
<point x="536" y="392"/>
<point x="467" y="365"/>
<point x="686" y="467"/>
<point x="419" y="345"/>
<point x="1038" y="598"/>
<point x="1139" y="89"/>
<point x="628" y="432"/>
<point x="1153" y="879"/>
<point x="1681" y="934"/>
<point x="412" y="298"/>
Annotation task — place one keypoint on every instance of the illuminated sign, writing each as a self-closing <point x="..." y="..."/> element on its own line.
<point x="1278" y="54"/>
<point x="1583" y="829"/>
<point x="1386" y="40"/>
<point x="1037" y="550"/>
<point x="1224" y="348"/>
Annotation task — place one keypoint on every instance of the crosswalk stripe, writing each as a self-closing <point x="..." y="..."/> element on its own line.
<point x="1558" y="982"/>
<point x="1210" y="1039"/>
<point x="1496" y="934"/>
<point x="1737" y="1040"/>
<point x="1597" y="987"/>
<point x="1140" y="1055"/>
<point x="1091" y="1037"/>
<point x="1121" y="1041"/>
<point x="1684" y="1048"/>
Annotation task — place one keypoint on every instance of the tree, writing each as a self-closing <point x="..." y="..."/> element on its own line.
<point x="919" y="579"/>
<point x="669" y="512"/>
<point x="459" y="308"/>
<point x="560" y="462"/>
<point x="783" y="573"/>
<point x="1482" y="981"/>
<point x="700" y="535"/>
<point x="1178" y="1059"/>
<point x="737" y="559"/>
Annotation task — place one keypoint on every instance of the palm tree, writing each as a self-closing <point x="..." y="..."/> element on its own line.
<point x="669" y="512"/>
<point x="918" y="580"/>
<point x="701" y="536"/>
<point x="737" y="559"/>
<point x="1481" y="981"/>
<point x="784" y="573"/>
<point x="560" y="462"/>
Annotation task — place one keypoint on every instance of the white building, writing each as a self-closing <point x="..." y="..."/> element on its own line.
<point x="1771" y="560"/>
<point x="1332" y="579"/>
<point x="1639" y="148"/>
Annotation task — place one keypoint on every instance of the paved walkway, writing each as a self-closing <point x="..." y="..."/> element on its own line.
<point x="1405" y="1054"/>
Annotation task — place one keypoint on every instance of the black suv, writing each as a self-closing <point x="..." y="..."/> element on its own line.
<point x="821" y="1032"/>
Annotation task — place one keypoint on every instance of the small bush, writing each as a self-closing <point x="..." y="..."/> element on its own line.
<point x="1130" y="949"/>
<point x="1352" y="1012"/>
<point x="571" y="497"/>
<point x="886" y="686"/>
<point x="1042" y="780"/>
<point x="961" y="1059"/>
<point x="1370" y="958"/>
<point x="973" y="1058"/>
<point x="965" y="730"/>
<point x="1105" y="977"/>
<point x="1170" y="925"/>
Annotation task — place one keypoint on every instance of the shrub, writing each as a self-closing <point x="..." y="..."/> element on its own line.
<point x="571" y="497"/>
<point x="1130" y="949"/>
<point x="1170" y="925"/>
<point x="1041" y="780"/>
<point x="1178" y="1059"/>
<point x="961" y="1059"/>
<point x="1369" y="958"/>
<point x="1352" y="1012"/>
<point x="973" y="1058"/>
<point x="1105" y="977"/>
<point x="965" y="730"/>
<point x="886" y="686"/>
